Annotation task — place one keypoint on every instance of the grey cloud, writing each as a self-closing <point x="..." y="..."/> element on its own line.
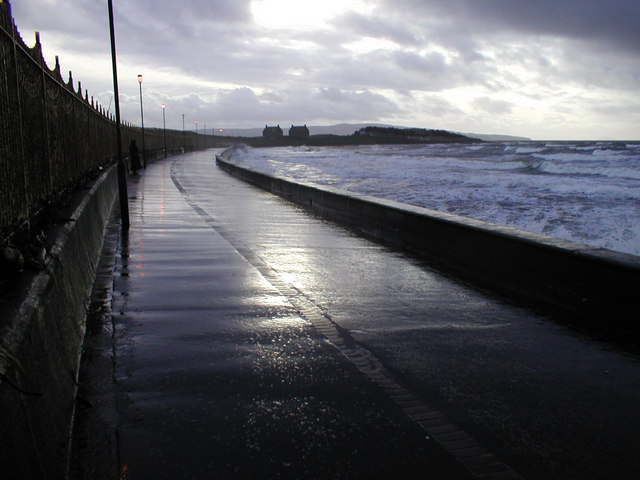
<point x="395" y="70"/>
<point x="410" y="29"/>
<point x="371" y="26"/>
<point x="143" y="23"/>
<point x="218" y="10"/>
<point x="489" y="105"/>
<point x="237" y="104"/>
<point x="243" y="106"/>
<point x="356" y="105"/>
<point x="80" y="23"/>
<point x="615" y="22"/>
<point x="439" y="107"/>
<point x="214" y="11"/>
<point x="329" y="40"/>
<point x="618" y="109"/>
<point x="433" y="63"/>
<point x="601" y="71"/>
<point x="429" y="72"/>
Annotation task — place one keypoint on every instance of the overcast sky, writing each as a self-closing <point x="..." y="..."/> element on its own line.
<point x="546" y="69"/>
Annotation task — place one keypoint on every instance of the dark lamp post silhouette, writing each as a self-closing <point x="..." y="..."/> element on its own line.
<point x="144" y="159"/>
<point x="122" y="176"/>
<point x="196" y="134"/>
<point x="164" y="129"/>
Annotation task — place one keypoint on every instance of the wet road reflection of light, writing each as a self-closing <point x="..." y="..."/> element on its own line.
<point x="533" y="389"/>
<point x="504" y="367"/>
<point x="294" y="266"/>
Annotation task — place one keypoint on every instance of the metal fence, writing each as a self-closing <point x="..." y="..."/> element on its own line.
<point x="51" y="135"/>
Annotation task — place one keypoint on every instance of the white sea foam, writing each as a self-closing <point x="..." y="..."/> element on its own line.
<point x="584" y="192"/>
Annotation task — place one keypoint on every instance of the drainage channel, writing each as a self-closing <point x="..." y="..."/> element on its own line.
<point x="457" y="442"/>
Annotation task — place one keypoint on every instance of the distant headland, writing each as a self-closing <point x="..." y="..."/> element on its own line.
<point x="409" y="135"/>
<point x="274" y="135"/>
<point x="354" y="134"/>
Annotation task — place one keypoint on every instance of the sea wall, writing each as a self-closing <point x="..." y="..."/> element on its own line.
<point x="41" y="334"/>
<point x="578" y="282"/>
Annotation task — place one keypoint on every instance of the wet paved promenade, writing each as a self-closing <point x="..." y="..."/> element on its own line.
<point x="253" y="340"/>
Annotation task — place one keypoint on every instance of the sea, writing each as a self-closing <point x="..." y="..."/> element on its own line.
<point x="585" y="192"/>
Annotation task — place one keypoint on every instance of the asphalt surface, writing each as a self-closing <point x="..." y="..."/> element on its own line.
<point x="245" y="338"/>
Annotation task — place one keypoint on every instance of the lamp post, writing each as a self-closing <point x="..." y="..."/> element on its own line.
<point x="196" y="134"/>
<point x="122" y="176"/>
<point x="164" y="129"/>
<point x="184" y="147"/>
<point x="144" y="159"/>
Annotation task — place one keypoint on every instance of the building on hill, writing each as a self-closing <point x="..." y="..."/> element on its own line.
<point x="298" y="132"/>
<point x="272" y="133"/>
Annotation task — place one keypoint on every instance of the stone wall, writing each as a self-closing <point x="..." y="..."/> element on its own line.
<point x="41" y="335"/>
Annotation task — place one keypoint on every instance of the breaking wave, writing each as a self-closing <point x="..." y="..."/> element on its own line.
<point x="587" y="192"/>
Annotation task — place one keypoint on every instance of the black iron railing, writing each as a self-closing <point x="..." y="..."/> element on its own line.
<point x="52" y="135"/>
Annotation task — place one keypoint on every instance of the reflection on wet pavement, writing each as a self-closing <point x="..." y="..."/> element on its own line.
<point x="219" y="376"/>
<point x="244" y="326"/>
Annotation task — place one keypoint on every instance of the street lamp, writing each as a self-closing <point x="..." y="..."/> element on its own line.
<point x="184" y="147"/>
<point x="122" y="176"/>
<point x="196" y="134"/>
<point x="164" y="129"/>
<point x="144" y="159"/>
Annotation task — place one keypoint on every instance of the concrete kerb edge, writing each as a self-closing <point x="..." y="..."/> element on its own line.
<point x="574" y="277"/>
<point x="42" y="341"/>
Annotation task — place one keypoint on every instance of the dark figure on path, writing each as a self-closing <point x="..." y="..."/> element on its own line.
<point x="134" y="156"/>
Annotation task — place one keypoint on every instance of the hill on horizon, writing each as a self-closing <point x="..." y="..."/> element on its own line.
<point x="350" y="128"/>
